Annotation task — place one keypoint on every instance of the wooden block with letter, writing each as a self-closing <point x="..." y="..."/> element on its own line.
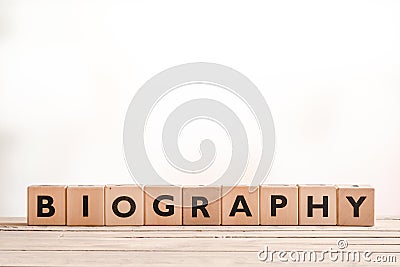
<point x="85" y="205"/>
<point x="46" y="205"/>
<point x="240" y="205"/>
<point x="317" y="205"/>
<point x="355" y="205"/>
<point x="278" y="205"/>
<point x="163" y="205"/>
<point x="124" y="205"/>
<point x="202" y="205"/>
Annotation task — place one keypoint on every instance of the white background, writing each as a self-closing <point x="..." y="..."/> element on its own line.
<point x="329" y="70"/>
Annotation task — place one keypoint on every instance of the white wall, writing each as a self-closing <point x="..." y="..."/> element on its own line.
<point x="330" y="71"/>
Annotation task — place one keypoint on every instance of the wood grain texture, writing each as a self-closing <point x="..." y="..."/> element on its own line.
<point x="286" y="209"/>
<point x="57" y="197"/>
<point x="240" y="205"/>
<point x="169" y="199"/>
<point x="362" y="196"/>
<point x="23" y="245"/>
<point x="94" y="214"/>
<point x="317" y="195"/>
<point x="130" y="207"/>
<point x="209" y="214"/>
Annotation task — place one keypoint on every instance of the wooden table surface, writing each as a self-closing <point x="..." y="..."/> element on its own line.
<point x="22" y="245"/>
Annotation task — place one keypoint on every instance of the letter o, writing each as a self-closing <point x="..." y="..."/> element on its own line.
<point x="123" y="214"/>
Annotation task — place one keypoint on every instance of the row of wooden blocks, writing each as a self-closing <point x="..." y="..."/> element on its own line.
<point x="170" y="205"/>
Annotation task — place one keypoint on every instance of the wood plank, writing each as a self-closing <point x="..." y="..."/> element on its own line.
<point x="154" y="258"/>
<point x="95" y="243"/>
<point x="24" y="245"/>
<point x="230" y="234"/>
<point x="13" y="222"/>
<point x="383" y="227"/>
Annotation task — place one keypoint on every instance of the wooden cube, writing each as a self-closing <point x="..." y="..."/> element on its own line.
<point x="163" y="205"/>
<point x="124" y="205"/>
<point x="46" y="205"/>
<point x="317" y="205"/>
<point x="356" y="205"/>
<point x="85" y="205"/>
<point x="240" y="205"/>
<point x="278" y="205"/>
<point x="202" y="205"/>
